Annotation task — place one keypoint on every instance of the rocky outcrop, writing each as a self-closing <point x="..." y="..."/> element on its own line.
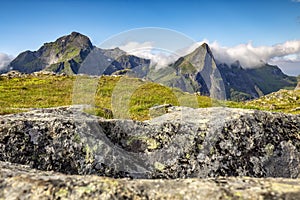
<point x="21" y="182"/>
<point x="16" y="74"/>
<point x="184" y="143"/>
<point x="13" y="74"/>
<point x="298" y="86"/>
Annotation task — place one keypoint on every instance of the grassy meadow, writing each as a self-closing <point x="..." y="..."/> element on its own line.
<point x="114" y="96"/>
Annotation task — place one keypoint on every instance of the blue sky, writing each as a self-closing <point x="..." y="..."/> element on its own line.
<point x="28" y="24"/>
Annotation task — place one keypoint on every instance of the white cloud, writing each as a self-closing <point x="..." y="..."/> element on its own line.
<point x="4" y="60"/>
<point x="251" y="56"/>
<point x="292" y="58"/>
<point x="147" y="50"/>
<point x="297" y="1"/>
<point x="248" y="55"/>
<point x="136" y="46"/>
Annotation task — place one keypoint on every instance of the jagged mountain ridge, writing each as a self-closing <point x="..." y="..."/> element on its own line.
<point x="63" y="55"/>
<point x="69" y="53"/>
<point x="212" y="77"/>
<point x="195" y="72"/>
<point x="200" y="72"/>
<point x="248" y="83"/>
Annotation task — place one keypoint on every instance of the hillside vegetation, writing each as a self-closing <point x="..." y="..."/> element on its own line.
<point x="20" y="94"/>
<point x="287" y="101"/>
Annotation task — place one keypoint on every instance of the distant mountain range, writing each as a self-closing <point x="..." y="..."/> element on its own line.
<point x="195" y="72"/>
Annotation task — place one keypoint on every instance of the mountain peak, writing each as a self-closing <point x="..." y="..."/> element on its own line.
<point x="236" y="64"/>
<point x="205" y="45"/>
<point x="76" y="39"/>
<point x="202" y="50"/>
<point x="66" y="52"/>
<point x="74" y="33"/>
<point x="207" y="48"/>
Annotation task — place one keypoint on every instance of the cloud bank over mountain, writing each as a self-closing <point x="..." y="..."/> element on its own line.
<point x="149" y="50"/>
<point x="287" y="53"/>
<point x="4" y="60"/>
<point x="251" y="56"/>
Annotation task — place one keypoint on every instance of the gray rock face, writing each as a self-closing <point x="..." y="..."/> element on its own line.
<point x="21" y="182"/>
<point x="184" y="143"/>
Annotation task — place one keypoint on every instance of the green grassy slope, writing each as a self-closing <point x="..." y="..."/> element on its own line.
<point x="287" y="101"/>
<point x="43" y="91"/>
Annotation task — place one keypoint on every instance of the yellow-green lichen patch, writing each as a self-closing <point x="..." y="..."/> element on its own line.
<point x="89" y="155"/>
<point x="150" y="143"/>
<point x="159" y="166"/>
<point x="62" y="193"/>
<point x="269" y="148"/>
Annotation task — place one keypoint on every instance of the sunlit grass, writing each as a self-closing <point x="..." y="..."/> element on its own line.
<point x="119" y="97"/>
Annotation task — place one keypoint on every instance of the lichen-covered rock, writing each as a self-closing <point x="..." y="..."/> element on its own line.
<point x="13" y="74"/>
<point x="22" y="182"/>
<point x="183" y="143"/>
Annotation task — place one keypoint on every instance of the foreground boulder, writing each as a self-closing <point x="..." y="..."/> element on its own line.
<point x="185" y="143"/>
<point x="22" y="182"/>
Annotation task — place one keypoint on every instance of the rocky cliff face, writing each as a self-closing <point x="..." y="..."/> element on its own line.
<point x="184" y="143"/>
